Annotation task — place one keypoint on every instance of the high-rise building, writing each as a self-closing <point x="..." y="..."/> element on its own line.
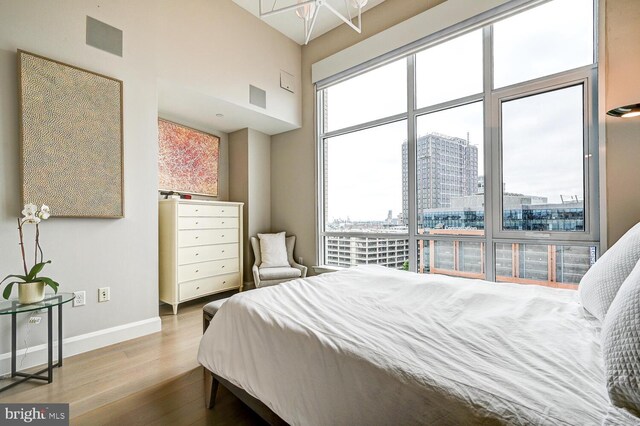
<point x="446" y="167"/>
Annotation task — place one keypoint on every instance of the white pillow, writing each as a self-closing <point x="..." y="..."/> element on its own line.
<point x="600" y="284"/>
<point x="621" y="345"/>
<point x="273" y="250"/>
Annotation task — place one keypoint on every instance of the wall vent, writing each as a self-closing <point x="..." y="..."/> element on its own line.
<point x="104" y="37"/>
<point x="257" y="97"/>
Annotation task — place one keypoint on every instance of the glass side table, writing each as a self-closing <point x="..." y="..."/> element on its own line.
<point x="13" y="307"/>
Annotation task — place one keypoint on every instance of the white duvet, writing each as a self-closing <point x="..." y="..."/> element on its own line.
<point x="374" y="346"/>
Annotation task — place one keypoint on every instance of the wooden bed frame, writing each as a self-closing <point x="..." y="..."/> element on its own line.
<point x="212" y="381"/>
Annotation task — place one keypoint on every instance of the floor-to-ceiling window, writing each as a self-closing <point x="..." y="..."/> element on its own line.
<point x="474" y="155"/>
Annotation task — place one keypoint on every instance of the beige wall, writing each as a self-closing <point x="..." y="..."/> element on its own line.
<point x="250" y="183"/>
<point x="215" y="49"/>
<point x="293" y="197"/>
<point x="123" y="253"/>
<point x="213" y="44"/>
<point x="259" y="183"/>
<point x="293" y="153"/>
<point x="239" y="183"/>
<point x="622" y="74"/>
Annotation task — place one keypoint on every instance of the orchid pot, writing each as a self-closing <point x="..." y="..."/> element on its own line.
<point x="31" y="292"/>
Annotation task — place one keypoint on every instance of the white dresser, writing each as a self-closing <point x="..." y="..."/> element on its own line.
<point x="200" y="249"/>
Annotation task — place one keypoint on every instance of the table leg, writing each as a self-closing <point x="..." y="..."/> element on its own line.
<point x="14" y="333"/>
<point x="59" y="335"/>
<point x="50" y="344"/>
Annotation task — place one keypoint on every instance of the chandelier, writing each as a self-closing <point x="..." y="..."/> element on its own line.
<point x="307" y="10"/>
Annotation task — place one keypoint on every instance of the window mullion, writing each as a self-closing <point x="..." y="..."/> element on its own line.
<point x="320" y="177"/>
<point x="489" y="176"/>
<point x="411" y="145"/>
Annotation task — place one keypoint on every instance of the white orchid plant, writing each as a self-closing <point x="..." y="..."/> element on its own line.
<point x="31" y="214"/>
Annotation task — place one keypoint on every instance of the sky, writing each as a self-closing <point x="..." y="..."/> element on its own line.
<point x="542" y="134"/>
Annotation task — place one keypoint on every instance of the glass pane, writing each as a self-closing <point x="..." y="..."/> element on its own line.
<point x="471" y="257"/>
<point x="451" y="257"/>
<point x="363" y="180"/>
<point x="542" y="162"/>
<point x="449" y="172"/>
<point x="547" y="265"/>
<point x="350" y="251"/>
<point x="376" y="94"/>
<point x="449" y="70"/>
<point x="553" y="37"/>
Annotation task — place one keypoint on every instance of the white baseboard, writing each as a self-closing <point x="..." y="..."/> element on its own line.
<point x="83" y="343"/>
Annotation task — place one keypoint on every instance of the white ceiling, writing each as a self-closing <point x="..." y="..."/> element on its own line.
<point x="290" y="25"/>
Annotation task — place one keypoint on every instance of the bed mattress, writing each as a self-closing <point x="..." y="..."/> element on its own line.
<point x="375" y="346"/>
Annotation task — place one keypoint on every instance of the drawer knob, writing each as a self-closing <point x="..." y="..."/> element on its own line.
<point x="197" y="210"/>
<point x="222" y="236"/>
<point x="223" y="222"/>
<point x="197" y="254"/>
<point x="197" y="270"/>
<point x="222" y="210"/>
<point x="196" y="223"/>
<point x="222" y="266"/>
<point x="224" y="282"/>
<point x="197" y="288"/>
<point x="223" y="251"/>
<point x="197" y="238"/>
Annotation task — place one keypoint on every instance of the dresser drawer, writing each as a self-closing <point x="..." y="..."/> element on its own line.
<point x="196" y="271"/>
<point x="204" y="210"/>
<point x="188" y="238"/>
<point x="209" y="285"/>
<point x="208" y="222"/>
<point x="197" y="254"/>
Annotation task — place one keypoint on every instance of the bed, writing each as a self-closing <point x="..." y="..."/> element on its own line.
<point x="375" y="346"/>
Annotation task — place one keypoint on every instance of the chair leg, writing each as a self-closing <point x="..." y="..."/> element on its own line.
<point x="211" y="389"/>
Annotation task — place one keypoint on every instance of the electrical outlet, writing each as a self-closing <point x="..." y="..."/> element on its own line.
<point x="34" y="320"/>
<point x="80" y="299"/>
<point x="104" y="294"/>
<point x="300" y="260"/>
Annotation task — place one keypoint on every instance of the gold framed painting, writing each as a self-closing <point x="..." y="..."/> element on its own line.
<point x="71" y="132"/>
<point x="188" y="159"/>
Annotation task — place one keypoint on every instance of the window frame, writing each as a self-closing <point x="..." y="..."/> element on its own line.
<point x="492" y="100"/>
<point x="581" y="76"/>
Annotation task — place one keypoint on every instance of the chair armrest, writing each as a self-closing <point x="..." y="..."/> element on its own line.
<point x="302" y="268"/>
<point x="256" y="276"/>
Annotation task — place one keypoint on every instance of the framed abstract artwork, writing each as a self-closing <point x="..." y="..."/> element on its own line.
<point x="187" y="159"/>
<point x="71" y="138"/>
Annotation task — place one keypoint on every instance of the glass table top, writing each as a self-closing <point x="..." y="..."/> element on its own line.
<point x="12" y="305"/>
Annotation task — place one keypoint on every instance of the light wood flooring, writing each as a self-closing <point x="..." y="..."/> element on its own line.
<point x="151" y="380"/>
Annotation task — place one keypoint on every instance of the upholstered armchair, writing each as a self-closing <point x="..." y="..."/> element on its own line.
<point x="269" y="276"/>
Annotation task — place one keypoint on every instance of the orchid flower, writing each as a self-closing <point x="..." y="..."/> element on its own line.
<point x="29" y="210"/>
<point x="44" y="212"/>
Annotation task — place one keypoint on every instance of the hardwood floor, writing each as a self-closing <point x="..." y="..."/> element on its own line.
<point x="152" y="380"/>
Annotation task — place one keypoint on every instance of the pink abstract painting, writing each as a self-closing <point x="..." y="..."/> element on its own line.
<point x="188" y="159"/>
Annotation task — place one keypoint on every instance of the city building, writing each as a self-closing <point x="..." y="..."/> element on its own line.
<point x="360" y="250"/>
<point x="447" y="167"/>
<point x="521" y="212"/>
